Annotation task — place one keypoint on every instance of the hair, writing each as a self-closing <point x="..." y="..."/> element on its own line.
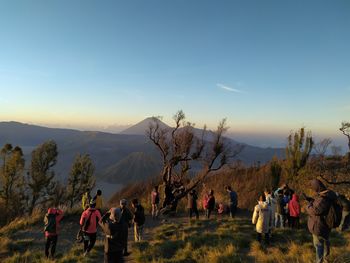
<point x="228" y="187"/>
<point x="211" y="192"/>
<point x="156" y="188"/>
<point x="99" y="192"/>
<point x="135" y="201"/>
<point x="262" y="197"/>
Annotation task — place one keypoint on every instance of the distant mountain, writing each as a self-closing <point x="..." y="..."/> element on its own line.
<point x="118" y="158"/>
<point x="141" y="127"/>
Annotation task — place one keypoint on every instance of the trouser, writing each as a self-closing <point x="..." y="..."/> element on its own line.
<point x="279" y="220"/>
<point x="344" y="220"/>
<point x="89" y="241"/>
<point x="155" y="210"/>
<point x="138" y="230"/>
<point x="208" y="213"/>
<point x="267" y="237"/>
<point x="114" y="257"/>
<point x="233" y="209"/>
<point x="51" y="241"/>
<point x="322" y="247"/>
<point x="125" y="230"/>
<point x="193" y="210"/>
<point x="294" y="222"/>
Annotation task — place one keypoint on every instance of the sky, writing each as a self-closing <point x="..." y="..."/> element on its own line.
<point x="269" y="67"/>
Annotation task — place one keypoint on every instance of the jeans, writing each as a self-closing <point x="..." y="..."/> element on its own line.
<point x="193" y="210"/>
<point x="51" y="241"/>
<point x="279" y="219"/>
<point x="208" y="213"/>
<point x="322" y="248"/>
<point x="89" y="241"/>
<point x="233" y="209"/>
<point x="345" y="217"/>
<point x="138" y="230"/>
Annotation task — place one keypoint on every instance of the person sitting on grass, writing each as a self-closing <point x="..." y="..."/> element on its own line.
<point x="139" y="219"/>
<point x="52" y="222"/>
<point x="113" y="243"/>
<point x="262" y="219"/>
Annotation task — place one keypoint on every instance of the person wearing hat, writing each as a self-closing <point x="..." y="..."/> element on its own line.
<point x="317" y="209"/>
<point x="113" y="243"/>
<point x="88" y="223"/>
<point x="125" y="220"/>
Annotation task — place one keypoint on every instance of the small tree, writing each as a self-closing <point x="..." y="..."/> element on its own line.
<point x="12" y="179"/>
<point x="322" y="146"/>
<point x="298" y="151"/>
<point x="181" y="149"/>
<point x="345" y="129"/>
<point x="41" y="175"/>
<point x="80" y="178"/>
<point x="275" y="171"/>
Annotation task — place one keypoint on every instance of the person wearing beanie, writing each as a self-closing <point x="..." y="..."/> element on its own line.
<point x="317" y="209"/>
<point x="113" y="242"/>
<point x="88" y="224"/>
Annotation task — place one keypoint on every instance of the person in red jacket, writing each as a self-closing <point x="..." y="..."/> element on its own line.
<point x="52" y="225"/>
<point x="294" y="211"/>
<point x="88" y="223"/>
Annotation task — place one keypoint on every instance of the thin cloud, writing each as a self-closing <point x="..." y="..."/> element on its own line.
<point x="227" y="88"/>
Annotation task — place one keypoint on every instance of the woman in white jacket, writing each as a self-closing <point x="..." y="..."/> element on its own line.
<point x="262" y="218"/>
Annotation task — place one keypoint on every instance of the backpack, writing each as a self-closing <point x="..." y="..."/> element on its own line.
<point x="50" y="223"/>
<point x="334" y="215"/>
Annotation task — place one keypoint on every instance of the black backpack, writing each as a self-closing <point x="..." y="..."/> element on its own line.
<point x="334" y="215"/>
<point x="50" y="223"/>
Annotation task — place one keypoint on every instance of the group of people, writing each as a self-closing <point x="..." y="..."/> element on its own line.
<point x="115" y="225"/>
<point x="275" y="209"/>
<point x="281" y="208"/>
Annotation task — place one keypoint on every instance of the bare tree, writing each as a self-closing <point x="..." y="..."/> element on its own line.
<point x="182" y="150"/>
<point x="321" y="147"/>
<point x="345" y="129"/>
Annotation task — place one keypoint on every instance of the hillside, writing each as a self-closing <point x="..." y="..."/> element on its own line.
<point x="114" y="155"/>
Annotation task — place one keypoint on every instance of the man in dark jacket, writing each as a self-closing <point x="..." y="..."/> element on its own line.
<point x="125" y="220"/>
<point x="317" y="210"/>
<point x="111" y="226"/>
<point x="233" y="200"/>
<point x="139" y="219"/>
<point x="192" y="204"/>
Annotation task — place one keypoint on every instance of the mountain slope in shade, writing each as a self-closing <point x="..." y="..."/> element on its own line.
<point x="142" y="127"/>
<point x="134" y="167"/>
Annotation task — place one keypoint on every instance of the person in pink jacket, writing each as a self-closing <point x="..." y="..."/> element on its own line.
<point x="88" y="223"/>
<point x="294" y="211"/>
<point x="52" y="225"/>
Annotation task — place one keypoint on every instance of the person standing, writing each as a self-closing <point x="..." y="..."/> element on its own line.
<point x="139" y="219"/>
<point x="113" y="245"/>
<point x="155" y="200"/>
<point x="294" y="211"/>
<point x="262" y="219"/>
<point x="280" y="212"/>
<point x="125" y="220"/>
<point x="99" y="200"/>
<point x="233" y="201"/>
<point x="85" y="201"/>
<point x="345" y="212"/>
<point x="317" y="210"/>
<point x="52" y="224"/>
<point x="209" y="204"/>
<point x="88" y="223"/>
<point x="192" y="198"/>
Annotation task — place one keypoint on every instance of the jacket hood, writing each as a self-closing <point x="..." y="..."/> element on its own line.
<point x="317" y="186"/>
<point x="295" y="197"/>
<point x="51" y="211"/>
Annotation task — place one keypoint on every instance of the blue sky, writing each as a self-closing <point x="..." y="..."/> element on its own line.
<point x="268" y="66"/>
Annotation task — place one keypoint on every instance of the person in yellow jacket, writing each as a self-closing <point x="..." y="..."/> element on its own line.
<point x="85" y="201"/>
<point x="99" y="200"/>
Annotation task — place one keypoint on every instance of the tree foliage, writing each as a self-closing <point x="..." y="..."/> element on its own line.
<point x="298" y="150"/>
<point x="41" y="175"/>
<point x="81" y="177"/>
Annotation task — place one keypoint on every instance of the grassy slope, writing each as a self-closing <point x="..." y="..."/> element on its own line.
<point x="176" y="240"/>
<point x="232" y="241"/>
